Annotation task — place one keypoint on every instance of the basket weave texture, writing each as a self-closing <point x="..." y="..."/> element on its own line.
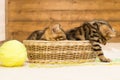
<point x="59" y="51"/>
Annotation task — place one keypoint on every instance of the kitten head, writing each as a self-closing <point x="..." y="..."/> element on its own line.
<point x="54" y="33"/>
<point x="105" y="29"/>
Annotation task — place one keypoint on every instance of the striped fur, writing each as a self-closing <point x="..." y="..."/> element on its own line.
<point x="97" y="32"/>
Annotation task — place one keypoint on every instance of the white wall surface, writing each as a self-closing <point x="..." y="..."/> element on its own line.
<point x="2" y="20"/>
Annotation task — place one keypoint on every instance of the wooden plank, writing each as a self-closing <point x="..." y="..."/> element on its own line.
<point x="63" y="4"/>
<point x="18" y="35"/>
<point x="62" y="15"/>
<point x="22" y="35"/>
<point x="20" y="30"/>
<point x="61" y="0"/>
<point x="31" y="26"/>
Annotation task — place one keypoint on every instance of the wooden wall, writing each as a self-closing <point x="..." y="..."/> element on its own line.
<point x="25" y="16"/>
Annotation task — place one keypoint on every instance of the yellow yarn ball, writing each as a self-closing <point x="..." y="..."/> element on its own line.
<point x="13" y="53"/>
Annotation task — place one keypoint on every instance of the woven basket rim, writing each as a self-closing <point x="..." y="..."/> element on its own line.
<point x="81" y="41"/>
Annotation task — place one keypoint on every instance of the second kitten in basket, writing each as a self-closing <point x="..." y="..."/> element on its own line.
<point x="51" y="33"/>
<point x="54" y="33"/>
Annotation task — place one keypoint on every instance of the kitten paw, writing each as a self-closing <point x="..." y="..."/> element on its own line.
<point x="105" y="60"/>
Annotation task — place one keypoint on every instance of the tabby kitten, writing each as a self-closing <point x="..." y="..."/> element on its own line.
<point x="54" y="33"/>
<point x="96" y="31"/>
<point x="51" y="33"/>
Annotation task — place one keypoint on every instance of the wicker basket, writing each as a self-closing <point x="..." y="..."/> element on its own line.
<point x="59" y="51"/>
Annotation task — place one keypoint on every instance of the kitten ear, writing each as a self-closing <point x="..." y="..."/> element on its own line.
<point x="92" y="22"/>
<point x="97" y="22"/>
<point x="102" y="22"/>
